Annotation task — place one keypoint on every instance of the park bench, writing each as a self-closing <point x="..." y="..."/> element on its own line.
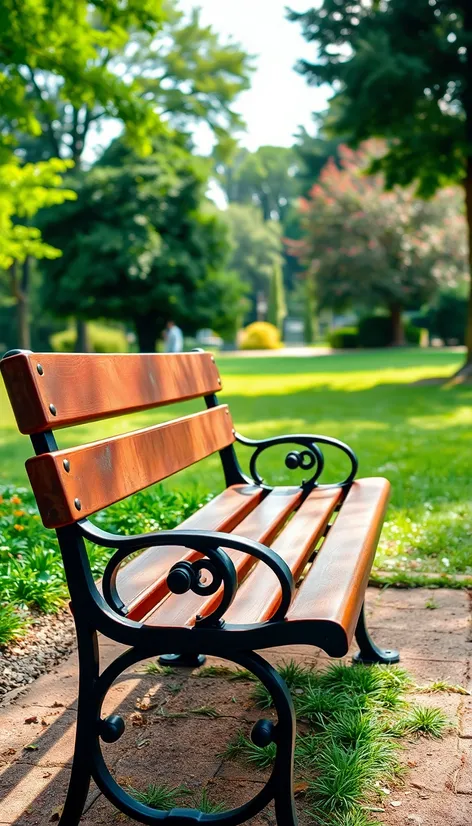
<point x="224" y="582"/>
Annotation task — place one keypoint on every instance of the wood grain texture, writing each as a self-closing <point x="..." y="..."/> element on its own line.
<point x="335" y="586"/>
<point x="86" y="387"/>
<point x="107" y="471"/>
<point x="142" y="582"/>
<point x="259" y="596"/>
<point x="262" y="525"/>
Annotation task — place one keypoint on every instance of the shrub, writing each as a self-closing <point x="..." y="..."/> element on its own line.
<point x="31" y="569"/>
<point x="260" y="336"/>
<point x="343" y="338"/>
<point x="412" y="334"/>
<point x="102" y="340"/>
<point x="375" y="331"/>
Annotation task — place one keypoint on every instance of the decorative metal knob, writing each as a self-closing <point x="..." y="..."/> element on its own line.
<point x="263" y="733"/>
<point x="111" y="728"/>
<point x="292" y="460"/>
<point x="181" y="578"/>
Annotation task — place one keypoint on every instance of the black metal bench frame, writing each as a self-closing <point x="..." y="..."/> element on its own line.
<point x="104" y="613"/>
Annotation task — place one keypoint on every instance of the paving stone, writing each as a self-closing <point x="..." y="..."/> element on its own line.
<point x="463" y="783"/>
<point x="465" y="726"/>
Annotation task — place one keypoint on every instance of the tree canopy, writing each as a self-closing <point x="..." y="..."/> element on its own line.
<point x="401" y="70"/>
<point x="67" y="39"/>
<point x="142" y="245"/>
<point x="367" y="247"/>
<point x="264" y="178"/>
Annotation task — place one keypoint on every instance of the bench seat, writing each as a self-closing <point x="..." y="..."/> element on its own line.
<point x="334" y="582"/>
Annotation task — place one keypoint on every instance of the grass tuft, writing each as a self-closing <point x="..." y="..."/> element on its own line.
<point x="158" y="795"/>
<point x="431" y="722"/>
<point x="241" y="748"/>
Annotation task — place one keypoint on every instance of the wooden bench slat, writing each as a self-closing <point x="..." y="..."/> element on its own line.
<point x="85" y="387"/>
<point x="104" y="472"/>
<point x="335" y="586"/>
<point x="259" y="596"/>
<point x="142" y="582"/>
<point x="262" y="525"/>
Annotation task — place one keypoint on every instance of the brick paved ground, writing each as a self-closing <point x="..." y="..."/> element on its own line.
<point x="435" y="644"/>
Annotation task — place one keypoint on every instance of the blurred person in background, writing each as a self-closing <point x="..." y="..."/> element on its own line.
<point x="174" y="338"/>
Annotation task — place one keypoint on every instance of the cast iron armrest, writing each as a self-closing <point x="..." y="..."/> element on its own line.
<point x="310" y="457"/>
<point x="185" y="575"/>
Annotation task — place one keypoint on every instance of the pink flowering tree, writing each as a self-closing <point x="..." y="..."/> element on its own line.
<point x="364" y="247"/>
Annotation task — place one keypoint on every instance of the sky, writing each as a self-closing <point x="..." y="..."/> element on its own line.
<point x="279" y="99"/>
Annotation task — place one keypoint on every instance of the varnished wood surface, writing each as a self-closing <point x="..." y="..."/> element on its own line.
<point x="142" y="582"/>
<point x="335" y="586"/>
<point x="262" y="525"/>
<point x="107" y="471"/>
<point x="85" y="387"/>
<point x="259" y="596"/>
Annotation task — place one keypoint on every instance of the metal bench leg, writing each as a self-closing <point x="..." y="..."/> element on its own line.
<point x="86" y="731"/>
<point x="369" y="652"/>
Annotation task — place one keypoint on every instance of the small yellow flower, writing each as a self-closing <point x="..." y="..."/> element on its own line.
<point x="1" y="500"/>
<point x="18" y="513"/>
<point x="15" y="500"/>
<point x="19" y="527"/>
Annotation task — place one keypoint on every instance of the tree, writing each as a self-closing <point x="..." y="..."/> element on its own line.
<point x="256" y="250"/>
<point x="365" y="247"/>
<point x="24" y="190"/>
<point x="67" y="42"/>
<point x="401" y="70"/>
<point x="264" y="178"/>
<point x="52" y="63"/>
<point x="141" y="244"/>
<point x="277" y="308"/>
<point x="181" y="72"/>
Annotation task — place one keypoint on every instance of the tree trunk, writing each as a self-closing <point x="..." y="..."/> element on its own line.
<point x="20" y="292"/>
<point x="82" y="342"/>
<point x="147" y="330"/>
<point x="398" y="333"/>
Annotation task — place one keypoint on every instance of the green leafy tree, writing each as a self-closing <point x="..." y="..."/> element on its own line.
<point x="256" y="250"/>
<point x="401" y="70"/>
<point x="181" y="72"/>
<point x="65" y="43"/>
<point x="264" y="178"/>
<point x="365" y="247"/>
<point x="141" y="244"/>
<point x="24" y="190"/>
<point x="277" y="308"/>
<point x="52" y="65"/>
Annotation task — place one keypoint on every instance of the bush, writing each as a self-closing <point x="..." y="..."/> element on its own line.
<point x="343" y="338"/>
<point x="375" y="331"/>
<point x="446" y="318"/>
<point x="102" y="340"/>
<point x="412" y="334"/>
<point x="260" y="336"/>
<point x="31" y="569"/>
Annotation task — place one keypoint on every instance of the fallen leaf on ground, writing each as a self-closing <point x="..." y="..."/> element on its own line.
<point x="29" y="720"/>
<point x="137" y="719"/>
<point x="31" y="747"/>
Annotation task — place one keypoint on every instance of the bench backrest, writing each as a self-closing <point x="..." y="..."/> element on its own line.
<point x="54" y="390"/>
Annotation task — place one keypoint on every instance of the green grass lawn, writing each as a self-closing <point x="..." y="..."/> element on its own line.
<point x="418" y="435"/>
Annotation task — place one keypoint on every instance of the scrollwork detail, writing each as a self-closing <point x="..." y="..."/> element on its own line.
<point x="309" y="458"/>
